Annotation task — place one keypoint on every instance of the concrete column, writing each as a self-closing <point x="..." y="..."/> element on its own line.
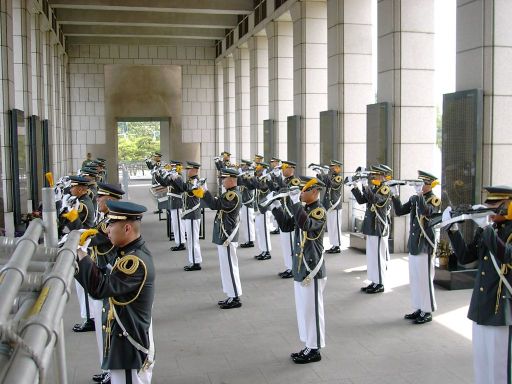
<point x="242" y="103"/>
<point x="280" y="79"/>
<point x="309" y="73"/>
<point x="258" y="62"/>
<point x="37" y="65"/>
<point x="219" y="106"/>
<point x="58" y="138"/>
<point x="229" y="105"/>
<point x="22" y="60"/>
<point x="484" y="51"/>
<point x="7" y="99"/>
<point x="406" y="79"/>
<point x="349" y="46"/>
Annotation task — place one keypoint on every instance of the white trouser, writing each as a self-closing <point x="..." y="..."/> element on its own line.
<point x="377" y="255"/>
<point x="229" y="272"/>
<point x="263" y="232"/>
<point x="491" y="354"/>
<point x="334" y="227"/>
<point x="273" y="223"/>
<point x="193" y="246"/>
<point x="96" y="312"/>
<point x="421" y="280"/>
<point x="246" y="224"/>
<point x="177" y="226"/>
<point x="80" y="293"/>
<point x="286" y="240"/>
<point x="119" y="376"/>
<point x="309" y="304"/>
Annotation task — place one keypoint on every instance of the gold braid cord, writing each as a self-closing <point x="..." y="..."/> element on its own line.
<point x="127" y="265"/>
<point x="505" y="269"/>
<point x="317" y="214"/>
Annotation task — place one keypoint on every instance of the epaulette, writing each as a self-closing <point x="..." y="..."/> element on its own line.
<point x="338" y="179"/>
<point x="435" y="201"/>
<point x="317" y="213"/>
<point x="295" y="182"/>
<point x="384" y="190"/>
<point x="230" y="195"/>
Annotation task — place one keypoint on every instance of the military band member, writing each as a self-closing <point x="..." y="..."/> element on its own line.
<point x="153" y="164"/>
<point x="102" y="168"/>
<point x="275" y="177"/>
<point x="247" y="210"/>
<point x="421" y="246"/>
<point x="225" y="234"/>
<point x="191" y="214"/>
<point x="282" y="211"/>
<point x="376" y="225"/>
<point x="81" y="217"/>
<point x="224" y="161"/>
<point x="91" y="173"/>
<point x="129" y="289"/>
<point x="103" y="253"/>
<point x="175" y="203"/>
<point x="490" y="308"/>
<point x="309" y="269"/>
<point x="261" y="183"/>
<point x="332" y="203"/>
<point x="257" y="159"/>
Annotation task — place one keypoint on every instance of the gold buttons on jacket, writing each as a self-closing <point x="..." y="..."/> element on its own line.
<point x="481" y="289"/>
<point x="486" y="258"/>
<point x="483" y="273"/>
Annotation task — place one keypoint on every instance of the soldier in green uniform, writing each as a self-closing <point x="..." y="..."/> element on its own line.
<point x="309" y="269"/>
<point x="225" y="234"/>
<point x="377" y="198"/>
<point x="276" y="177"/>
<point x="130" y="291"/>
<point x="421" y="246"/>
<point x="490" y="307"/>
<point x="332" y="203"/>
<point x="247" y="211"/>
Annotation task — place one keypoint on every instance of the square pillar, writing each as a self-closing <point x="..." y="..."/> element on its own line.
<point x="242" y="103"/>
<point x="280" y="79"/>
<point x="309" y="73"/>
<point x="219" y="106"/>
<point x="229" y="104"/>
<point x="258" y="63"/>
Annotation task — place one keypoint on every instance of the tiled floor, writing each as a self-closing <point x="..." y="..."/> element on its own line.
<point x="367" y="339"/>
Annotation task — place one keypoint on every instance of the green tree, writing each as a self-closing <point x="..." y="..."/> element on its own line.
<point x="137" y="140"/>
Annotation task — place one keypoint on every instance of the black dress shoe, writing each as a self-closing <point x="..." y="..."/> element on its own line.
<point x="106" y="380"/>
<point x="232" y="302"/>
<point x="287" y="275"/>
<point x="99" y="377"/>
<point x="86" y="326"/>
<point x="335" y="249"/>
<point x="275" y="232"/>
<point x="192" y="267"/>
<point x="220" y="302"/>
<point x="249" y="244"/>
<point x="412" y="316"/>
<point x="180" y="247"/>
<point x="364" y="289"/>
<point x="157" y="211"/>
<point x="307" y="356"/>
<point x="264" y="256"/>
<point x="377" y="288"/>
<point x="260" y="255"/>
<point x="297" y="354"/>
<point x="424" y="317"/>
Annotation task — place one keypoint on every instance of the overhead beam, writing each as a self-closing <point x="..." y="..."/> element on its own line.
<point x="234" y="7"/>
<point x="103" y="40"/>
<point x="90" y="17"/>
<point x="160" y="32"/>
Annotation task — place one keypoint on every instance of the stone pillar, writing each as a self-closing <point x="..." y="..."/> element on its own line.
<point x="242" y="104"/>
<point x="7" y="99"/>
<point x="37" y="65"/>
<point x="258" y="63"/>
<point x="406" y="79"/>
<point x="229" y="104"/>
<point x="349" y="41"/>
<point x="280" y="79"/>
<point x="484" y="49"/>
<point x="309" y="73"/>
<point x="22" y="60"/>
<point x="219" y="107"/>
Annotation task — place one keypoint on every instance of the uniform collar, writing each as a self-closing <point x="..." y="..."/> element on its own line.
<point x="314" y="204"/>
<point x="137" y="243"/>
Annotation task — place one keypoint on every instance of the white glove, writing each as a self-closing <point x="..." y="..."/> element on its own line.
<point x="83" y="247"/>
<point x="394" y="190"/>
<point x="295" y="196"/>
<point x="418" y="187"/>
<point x="275" y="204"/>
<point x="482" y="222"/>
<point x="63" y="239"/>
<point x="364" y="182"/>
<point x="58" y="194"/>
<point x="173" y="175"/>
<point x="216" y="158"/>
<point x="349" y="179"/>
<point x="276" y="172"/>
<point x="205" y="187"/>
<point x="447" y="214"/>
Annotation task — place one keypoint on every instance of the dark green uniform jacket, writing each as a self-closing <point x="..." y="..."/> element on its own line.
<point x="261" y="190"/>
<point x="123" y="287"/>
<point x="424" y="206"/>
<point x="175" y="200"/>
<point x="310" y="222"/>
<point x="482" y="308"/>
<point x="189" y="200"/>
<point x="377" y="199"/>
<point x="227" y="217"/>
<point x="102" y="250"/>
<point x="334" y="188"/>
<point x="284" y="214"/>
